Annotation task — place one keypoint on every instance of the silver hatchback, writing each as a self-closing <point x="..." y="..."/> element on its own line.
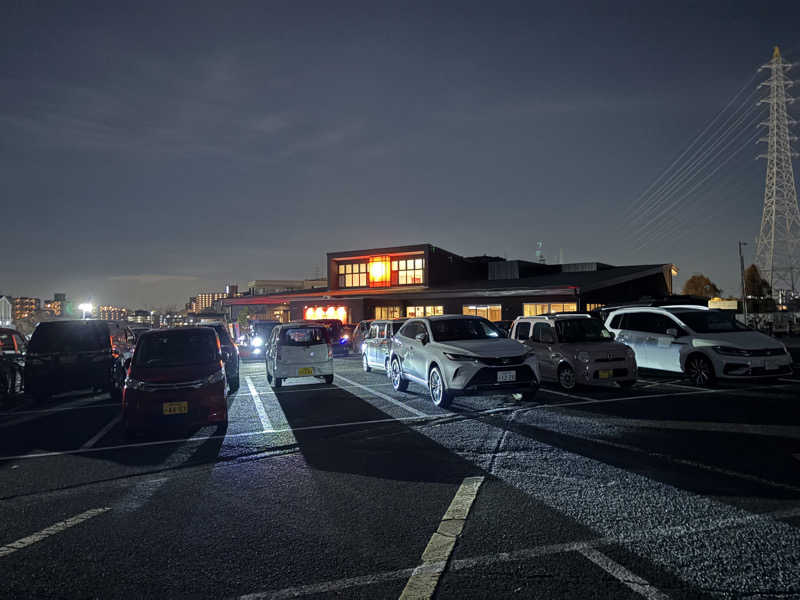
<point x="576" y="349"/>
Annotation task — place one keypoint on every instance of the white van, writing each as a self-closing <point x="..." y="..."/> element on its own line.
<point x="298" y="350"/>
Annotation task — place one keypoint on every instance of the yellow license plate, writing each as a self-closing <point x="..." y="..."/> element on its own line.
<point x="305" y="371"/>
<point x="605" y="374"/>
<point x="175" y="408"/>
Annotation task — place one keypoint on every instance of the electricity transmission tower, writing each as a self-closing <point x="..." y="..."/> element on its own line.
<point x="778" y="243"/>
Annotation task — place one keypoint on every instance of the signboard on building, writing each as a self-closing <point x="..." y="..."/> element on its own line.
<point x="721" y="304"/>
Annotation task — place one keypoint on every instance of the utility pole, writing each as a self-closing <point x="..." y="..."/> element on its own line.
<point x="778" y="243"/>
<point x="744" y="286"/>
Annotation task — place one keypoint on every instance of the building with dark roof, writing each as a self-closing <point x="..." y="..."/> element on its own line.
<point x="419" y="280"/>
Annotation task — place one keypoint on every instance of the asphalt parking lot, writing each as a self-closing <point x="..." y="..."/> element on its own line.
<point x="353" y="490"/>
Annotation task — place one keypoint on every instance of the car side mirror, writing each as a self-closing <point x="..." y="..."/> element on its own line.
<point x="613" y="335"/>
<point x="422" y="338"/>
<point x="672" y="332"/>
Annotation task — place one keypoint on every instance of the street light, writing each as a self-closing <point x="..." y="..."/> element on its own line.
<point x="85" y="307"/>
<point x="744" y="289"/>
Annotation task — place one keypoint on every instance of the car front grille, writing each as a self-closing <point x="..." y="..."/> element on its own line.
<point x="502" y="361"/>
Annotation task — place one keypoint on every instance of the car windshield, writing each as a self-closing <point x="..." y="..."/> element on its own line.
<point x="6" y="342"/>
<point x="573" y="331"/>
<point x="304" y="336"/>
<point x="446" y="330"/>
<point x="710" y="321"/>
<point x="70" y="337"/>
<point x="176" y="349"/>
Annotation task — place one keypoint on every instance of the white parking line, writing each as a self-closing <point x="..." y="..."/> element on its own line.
<point x="474" y="562"/>
<point x="383" y="396"/>
<point x="50" y="531"/>
<point x="636" y="583"/>
<point x="262" y="414"/>
<point x="423" y="581"/>
<point x="557" y="393"/>
<point x="99" y="435"/>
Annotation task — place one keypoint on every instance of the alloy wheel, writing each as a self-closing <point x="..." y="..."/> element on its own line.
<point x="566" y="378"/>
<point x="436" y="386"/>
<point x="699" y="370"/>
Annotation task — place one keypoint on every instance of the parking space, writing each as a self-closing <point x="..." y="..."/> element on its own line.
<point x="343" y="486"/>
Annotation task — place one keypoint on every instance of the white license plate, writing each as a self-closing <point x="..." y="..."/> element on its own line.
<point x="505" y="376"/>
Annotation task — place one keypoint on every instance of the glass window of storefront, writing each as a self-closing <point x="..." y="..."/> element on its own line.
<point x="594" y="306"/>
<point x="387" y="312"/>
<point x="353" y="275"/>
<point x="540" y="308"/>
<point x="380" y="271"/>
<point x="424" y="311"/>
<point x="493" y="312"/>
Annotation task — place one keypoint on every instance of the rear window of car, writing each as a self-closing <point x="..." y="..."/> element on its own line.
<point x="6" y="343"/>
<point x="176" y="349"/>
<point x="304" y="336"/>
<point x="70" y="337"/>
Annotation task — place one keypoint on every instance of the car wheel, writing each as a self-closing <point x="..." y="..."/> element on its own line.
<point x="438" y="389"/>
<point x="566" y="378"/>
<point x="396" y="376"/>
<point x="626" y="385"/>
<point x="233" y="384"/>
<point x="269" y="376"/>
<point x="328" y="379"/>
<point x="277" y="381"/>
<point x="699" y="370"/>
<point x="365" y="363"/>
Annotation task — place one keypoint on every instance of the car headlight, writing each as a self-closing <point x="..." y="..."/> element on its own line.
<point x="257" y="342"/>
<point x="730" y="351"/>
<point x="345" y="337"/>
<point x="216" y="377"/>
<point x="133" y="384"/>
<point x="583" y="357"/>
<point x="459" y="356"/>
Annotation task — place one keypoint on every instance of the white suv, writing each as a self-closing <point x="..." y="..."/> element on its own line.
<point x="456" y="354"/>
<point x="703" y="344"/>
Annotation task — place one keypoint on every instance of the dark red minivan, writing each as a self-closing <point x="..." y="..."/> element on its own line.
<point x="176" y="377"/>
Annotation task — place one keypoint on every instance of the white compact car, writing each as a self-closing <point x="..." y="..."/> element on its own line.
<point x="703" y="344"/>
<point x="298" y="350"/>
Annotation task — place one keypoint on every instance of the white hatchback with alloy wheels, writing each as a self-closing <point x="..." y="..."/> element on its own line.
<point x="454" y="355"/>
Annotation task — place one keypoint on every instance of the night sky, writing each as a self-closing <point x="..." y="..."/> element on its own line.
<point x="152" y="150"/>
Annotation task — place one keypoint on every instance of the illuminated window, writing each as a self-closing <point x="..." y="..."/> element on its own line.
<point x="353" y="275"/>
<point x="314" y="313"/>
<point x="594" y="306"/>
<point x="535" y="309"/>
<point x="424" y="311"/>
<point x="387" y="312"/>
<point x="380" y="274"/>
<point x="493" y="312"/>
<point x="408" y="271"/>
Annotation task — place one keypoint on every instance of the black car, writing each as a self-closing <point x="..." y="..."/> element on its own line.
<point x="12" y="361"/>
<point x="72" y="355"/>
<point x="230" y="354"/>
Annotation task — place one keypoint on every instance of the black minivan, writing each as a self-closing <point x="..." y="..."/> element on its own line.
<point x="72" y="355"/>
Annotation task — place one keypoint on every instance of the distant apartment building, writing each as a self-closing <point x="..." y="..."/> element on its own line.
<point x="259" y="287"/>
<point x="203" y="301"/>
<point x="144" y="317"/>
<point x="24" y="307"/>
<point x="6" y="311"/>
<point x="112" y="313"/>
<point x="58" y="305"/>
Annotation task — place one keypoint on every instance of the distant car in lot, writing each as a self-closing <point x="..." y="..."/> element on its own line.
<point x="701" y="343"/>
<point x="12" y="362"/>
<point x="176" y="377"/>
<point x="252" y="346"/>
<point x="458" y="354"/>
<point x="377" y="346"/>
<point x="230" y="354"/>
<point x="336" y="334"/>
<point x="348" y="331"/>
<point x="576" y="349"/>
<point x="300" y="349"/>
<point x="360" y="334"/>
<point x="504" y="326"/>
<point x="72" y="355"/>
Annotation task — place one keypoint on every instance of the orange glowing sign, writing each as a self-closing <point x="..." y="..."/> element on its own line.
<point x="379" y="271"/>
<point x="315" y="313"/>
